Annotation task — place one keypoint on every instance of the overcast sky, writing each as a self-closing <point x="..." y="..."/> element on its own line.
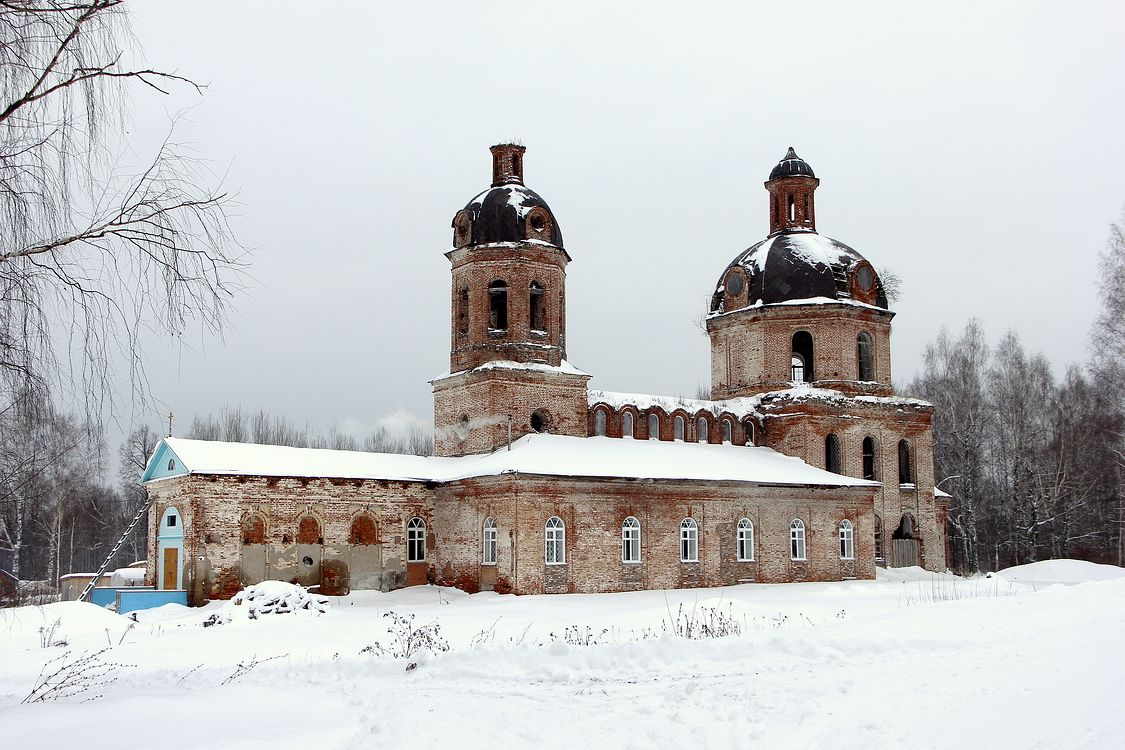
<point x="975" y="149"/>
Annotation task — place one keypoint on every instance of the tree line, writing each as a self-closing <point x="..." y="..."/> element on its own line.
<point x="1035" y="465"/>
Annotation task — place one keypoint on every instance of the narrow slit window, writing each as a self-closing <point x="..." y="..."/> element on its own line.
<point x="832" y="453"/>
<point x="869" y="458"/>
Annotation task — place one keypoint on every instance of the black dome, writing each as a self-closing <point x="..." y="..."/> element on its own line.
<point x="791" y="165"/>
<point x="796" y="266"/>
<point x="499" y="215"/>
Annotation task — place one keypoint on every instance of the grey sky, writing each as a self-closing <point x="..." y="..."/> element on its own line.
<point x="974" y="148"/>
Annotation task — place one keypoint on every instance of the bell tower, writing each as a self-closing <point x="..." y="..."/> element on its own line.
<point x="507" y="361"/>
<point x="791" y="186"/>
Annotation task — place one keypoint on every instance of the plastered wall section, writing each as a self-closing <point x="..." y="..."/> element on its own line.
<point x="217" y="563"/>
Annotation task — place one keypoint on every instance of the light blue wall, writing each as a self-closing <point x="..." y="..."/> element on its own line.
<point x="169" y="537"/>
<point x="130" y="600"/>
<point x="164" y="464"/>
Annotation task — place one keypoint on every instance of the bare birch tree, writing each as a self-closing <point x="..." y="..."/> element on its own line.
<point x="90" y="257"/>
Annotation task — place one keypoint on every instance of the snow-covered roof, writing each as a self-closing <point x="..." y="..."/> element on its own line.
<point x="547" y="455"/>
<point x="744" y="405"/>
<point x="738" y="406"/>
<point x="507" y="364"/>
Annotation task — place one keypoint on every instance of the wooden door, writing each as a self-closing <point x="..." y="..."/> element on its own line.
<point x="171" y="568"/>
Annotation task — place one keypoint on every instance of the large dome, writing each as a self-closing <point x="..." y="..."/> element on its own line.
<point x="794" y="266"/>
<point x="500" y="214"/>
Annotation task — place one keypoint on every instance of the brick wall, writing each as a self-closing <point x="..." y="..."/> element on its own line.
<point x="751" y="349"/>
<point x="593" y="511"/>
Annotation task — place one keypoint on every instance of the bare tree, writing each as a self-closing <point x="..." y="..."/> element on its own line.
<point x="89" y="255"/>
<point x="1108" y="343"/>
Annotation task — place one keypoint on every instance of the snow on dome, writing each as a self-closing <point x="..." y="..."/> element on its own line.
<point x="794" y="265"/>
<point x="499" y="215"/>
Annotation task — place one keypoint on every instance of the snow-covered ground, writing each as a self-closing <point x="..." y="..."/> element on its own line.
<point x="1033" y="657"/>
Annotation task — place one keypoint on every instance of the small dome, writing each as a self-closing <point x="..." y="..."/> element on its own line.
<point x="791" y="165"/>
<point x="500" y="214"/>
<point x="798" y="266"/>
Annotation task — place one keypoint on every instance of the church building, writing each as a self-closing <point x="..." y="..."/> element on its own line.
<point x="804" y="465"/>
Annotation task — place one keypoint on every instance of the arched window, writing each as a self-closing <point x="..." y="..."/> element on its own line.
<point x="879" y="554"/>
<point x="653" y="427"/>
<point x="599" y="422"/>
<point x="536" y="308"/>
<point x="363" y="531"/>
<point x="416" y="540"/>
<point x="869" y="457"/>
<point x="865" y="357"/>
<point x="907" y="527"/>
<point x="797" y="369"/>
<point x="701" y="429"/>
<point x="797" y="539"/>
<point x="627" y="424"/>
<point x="498" y="305"/>
<point x="748" y="428"/>
<point x="847" y="540"/>
<point x="489" y="542"/>
<point x="745" y="540"/>
<point x="727" y="430"/>
<point x="678" y="428"/>
<point x="832" y="453"/>
<point x="792" y="208"/>
<point x="802" y="358"/>
<point x="253" y="529"/>
<point x="631" y="540"/>
<point x="555" y="541"/>
<point x="905" y="470"/>
<point x="463" y="310"/>
<point x="689" y="540"/>
<point x="308" y="531"/>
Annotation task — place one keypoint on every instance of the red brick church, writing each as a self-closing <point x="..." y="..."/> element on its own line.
<point x="804" y="466"/>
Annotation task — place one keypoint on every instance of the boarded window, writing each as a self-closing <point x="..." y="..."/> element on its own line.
<point x="253" y="530"/>
<point x="865" y="356"/>
<point x="363" y="530"/>
<point x="832" y="453"/>
<point x="308" y="531"/>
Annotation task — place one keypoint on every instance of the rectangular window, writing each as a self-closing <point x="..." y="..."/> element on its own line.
<point x="489" y="546"/>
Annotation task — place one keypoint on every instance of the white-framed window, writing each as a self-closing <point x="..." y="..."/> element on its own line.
<point x="689" y="540"/>
<point x="627" y="424"/>
<point x="745" y="540"/>
<point x="416" y="540"/>
<point x="797" y="540"/>
<point x="701" y="429"/>
<point x="847" y="540"/>
<point x="631" y="540"/>
<point x="489" y="541"/>
<point x="555" y="552"/>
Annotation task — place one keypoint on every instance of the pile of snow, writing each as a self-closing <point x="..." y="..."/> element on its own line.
<point x="1060" y="571"/>
<point x="269" y="598"/>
